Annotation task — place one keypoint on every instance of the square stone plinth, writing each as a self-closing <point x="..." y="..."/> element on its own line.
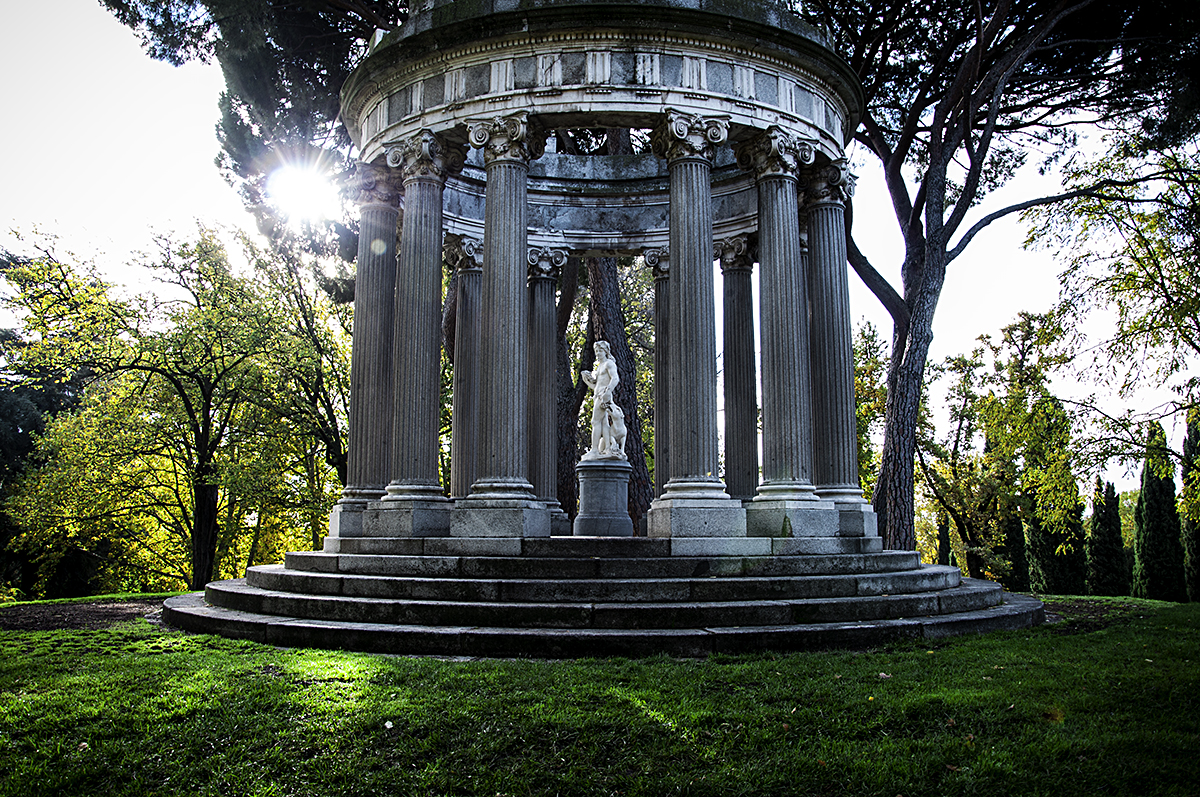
<point x="696" y="517"/>
<point x="407" y="518"/>
<point x="479" y="517"/>
<point x="783" y="518"/>
<point x="857" y="520"/>
<point x="346" y="519"/>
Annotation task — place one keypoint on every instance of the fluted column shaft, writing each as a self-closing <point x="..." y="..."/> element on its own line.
<point x="368" y="453"/>
<point x="544" y="265"/>
<point x="741" y="393"/>
<point x="836" y="443"/>
<point x="467" y="256"/>
<point x="688" y="144"/>
<point x="425" y="161"/>
<point x="658" y="260"/>
<point x="774" y="157"/>
<point x="504" y="310"/>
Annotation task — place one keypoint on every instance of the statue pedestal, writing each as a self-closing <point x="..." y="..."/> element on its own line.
<point x="603" y="498"/>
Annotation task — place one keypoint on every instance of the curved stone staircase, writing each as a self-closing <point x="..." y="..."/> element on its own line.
<point x="576" y="596"/>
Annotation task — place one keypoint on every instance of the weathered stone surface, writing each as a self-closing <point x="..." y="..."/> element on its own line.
<point x="603" y="499"/>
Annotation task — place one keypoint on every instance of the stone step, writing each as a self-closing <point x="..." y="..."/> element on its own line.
<point x="611" y="547"/>
<point x="574" y="590"/>
<point x="479" y="610"/>
<point x="598" y="567"/>
<point x="191" y="612"/>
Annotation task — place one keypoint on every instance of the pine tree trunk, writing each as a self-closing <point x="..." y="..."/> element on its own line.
<point x="608" y="323"/>
<point x="570" y="391"/>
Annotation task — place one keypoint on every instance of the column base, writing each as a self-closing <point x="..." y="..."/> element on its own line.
<point x="785" y="518"/>
<point x="856" y="517"/>
<point x="346" y="518"/>
<point x="696" y="509"/>
<point x="603" y="499"/>
<point x="408" y="517"/>
<point x="499" y="517"/>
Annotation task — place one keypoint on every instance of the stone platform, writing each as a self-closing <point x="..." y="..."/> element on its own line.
<point x="566" y="597"/>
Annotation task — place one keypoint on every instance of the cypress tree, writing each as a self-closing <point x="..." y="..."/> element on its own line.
<point x="1014" y="547"/>
<point x="1157" y="551"/>
<point x="1189" y="505"/>
<point x="1107" y="572"/>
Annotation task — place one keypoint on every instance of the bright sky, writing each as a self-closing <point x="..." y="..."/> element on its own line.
<point x="107" y="147"/>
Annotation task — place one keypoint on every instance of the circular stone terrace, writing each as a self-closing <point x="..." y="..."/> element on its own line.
<point x="748" y="112"/>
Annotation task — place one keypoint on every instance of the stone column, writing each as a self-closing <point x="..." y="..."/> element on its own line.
<point x="466" y="254"/>
<point x="694" y="502"/>
<point x="502" y="502"/>
<point x="786" y="504"/>
<point x="544" y="266"/>
<point x="657" y="260"/>
<point x="368" y="453"/>
<point x="834" y="418"/>
<point x="741" y="383"/>
<point x="415" y="505"/>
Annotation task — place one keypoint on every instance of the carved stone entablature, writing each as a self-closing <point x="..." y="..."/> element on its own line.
<point x="377" y="185"/>
<point x="734" y="254"/>
<point x="775" y="153"/>
<point x="689" y="136"/>
<point x="659" y="262"/>
<point x="514" y="137"/>
<point x="545" y="263"/>
<point x="463" y="253"/>
<point x="832" y="182"/>
<point x="426" y="156"/>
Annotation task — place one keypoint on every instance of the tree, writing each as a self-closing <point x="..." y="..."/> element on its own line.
<point x="1054" y="517"/>
<point x="1157" y="552"/>
<point x="1107" y="571"/>
<point x="959" y="94"/>
<point x="1189" y="505"/>
<point x="870" y="395"/>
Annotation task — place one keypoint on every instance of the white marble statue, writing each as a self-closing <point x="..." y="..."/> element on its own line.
<point x="608" y="421"/>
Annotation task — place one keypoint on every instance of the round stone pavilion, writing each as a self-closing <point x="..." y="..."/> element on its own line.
<point x="748" y="112"/>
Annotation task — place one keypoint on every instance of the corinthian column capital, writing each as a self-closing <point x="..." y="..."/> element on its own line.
<point x="684" y="135"/>
<point x="659" y="262"/>
<point x="545" y="263"/>
<point x="376" y="184"/>
<point x="734" y="254"/>
<point x="462" y="252"/>
<point x="774" y="153"/>
<point x="512" y="138"/>
<point x="832" y="182"/>
<point x="426" y="155"/>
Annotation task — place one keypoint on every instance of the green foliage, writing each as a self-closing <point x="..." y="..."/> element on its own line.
<point x="1103" y="703"/>
<point x="1157" y="551"/>
<point x="1107" y="568"/>
<point x="1005" y="472"/>
<point x="1189" y="505"/>
<point x="870" y="394"/>
<point x="209" y="436"/>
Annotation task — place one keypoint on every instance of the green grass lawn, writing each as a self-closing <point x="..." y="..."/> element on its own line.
<point x="1060" y="710"/>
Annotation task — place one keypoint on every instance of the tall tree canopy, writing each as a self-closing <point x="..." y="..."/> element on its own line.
<point x="958" y="97"/>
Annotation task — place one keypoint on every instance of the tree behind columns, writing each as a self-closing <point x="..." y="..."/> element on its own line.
<point x="960" y="93"/>
<point x="608" y="323"/>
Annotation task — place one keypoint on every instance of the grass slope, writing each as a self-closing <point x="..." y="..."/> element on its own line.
<point x="1077" y="708"/>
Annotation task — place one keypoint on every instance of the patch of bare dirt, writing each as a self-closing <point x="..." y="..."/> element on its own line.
<point x="1082" y="616"/>
<point x="78" y="616"/>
